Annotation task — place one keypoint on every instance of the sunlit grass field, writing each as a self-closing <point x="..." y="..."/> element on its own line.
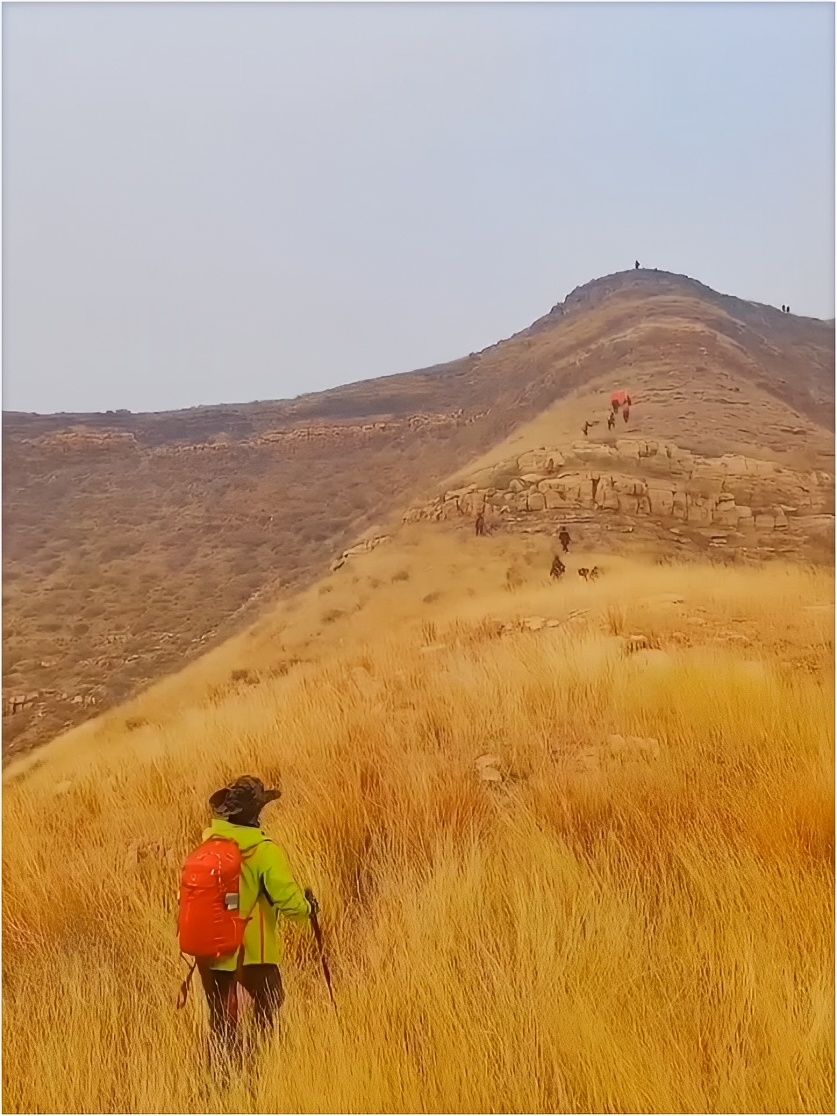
<point x="638" y="916"/>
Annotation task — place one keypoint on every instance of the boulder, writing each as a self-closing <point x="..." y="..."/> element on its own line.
<point x="594" y="451"/>
<point x="707" y="477"/>
<point x="649" y="449"/>
<point x="627" y="486"/>
<point x="489" y="775"/>
<point x="764" y="522"/>
<point x="820" y="525"/>
<point x="734" y="464"/>
<point x="472" y="503"/>
<point x="555" y="498"/>
<point x="661" y="498"/>
<point x="627" y="503"/>
<point x="681" y="460"/>
<point x="699" y="511"/>
<point x="536" y="501"/>
<point x="606" y="495"/>
<point x="486" y="761"/>
<point x="726" y="514"/>
<point x="568" y="489"/>
<point x="537" y="460"/>
<point x="627" y="447"/>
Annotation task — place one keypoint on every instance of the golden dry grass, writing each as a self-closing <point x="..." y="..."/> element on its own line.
<point x="604" y="930"/>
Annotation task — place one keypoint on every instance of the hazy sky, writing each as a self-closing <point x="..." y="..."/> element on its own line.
<point x="211" y="203"/>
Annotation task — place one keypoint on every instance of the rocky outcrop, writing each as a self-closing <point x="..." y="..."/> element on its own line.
<point x="329" y="434"/>
<point x="36" y="698"/>
<point x="70" y="441"/>
<point x="641" y="477"/>
<point x="362" y="547"/>
<point x="17" y="702"/>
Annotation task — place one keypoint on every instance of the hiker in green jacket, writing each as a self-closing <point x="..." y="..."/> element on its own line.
<point x="266" y="888"/>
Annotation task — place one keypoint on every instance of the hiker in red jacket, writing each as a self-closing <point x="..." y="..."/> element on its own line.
<point x="266" y="890"/>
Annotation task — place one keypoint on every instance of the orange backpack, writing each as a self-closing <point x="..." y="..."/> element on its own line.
<point x="210" y="925"/>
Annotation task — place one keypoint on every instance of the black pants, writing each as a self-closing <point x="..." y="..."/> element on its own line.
<point x="264" y="985"/>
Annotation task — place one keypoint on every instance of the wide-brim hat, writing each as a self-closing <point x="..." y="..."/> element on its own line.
<point x="247" y="795"/>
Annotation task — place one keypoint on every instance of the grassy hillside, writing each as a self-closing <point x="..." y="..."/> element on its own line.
<point x="132" y="542"/>
<point x="634" y="913"/>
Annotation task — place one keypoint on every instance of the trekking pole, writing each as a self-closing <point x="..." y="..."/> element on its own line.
<point x="318" y="934"/>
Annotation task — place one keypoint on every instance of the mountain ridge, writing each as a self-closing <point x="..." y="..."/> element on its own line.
<point x="134" y="541"/>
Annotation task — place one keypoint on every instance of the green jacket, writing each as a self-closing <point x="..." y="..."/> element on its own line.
<point x="267" y="889"/>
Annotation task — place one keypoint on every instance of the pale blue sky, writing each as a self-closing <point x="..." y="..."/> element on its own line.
<point x="211" y="203"/>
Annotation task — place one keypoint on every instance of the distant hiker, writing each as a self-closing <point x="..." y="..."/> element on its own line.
<point x="479" y="526"/>
<point x="611" y="420"/>
<point x="585" y="428"/>
<point x="626" y="412"/>
<point x="787" y="309"/>
<point x="636" y="265"/>
<point x="557" y="569"/>
<point x="233" y="888"/>
<point x="564" y="539"/>
<point x="783" y="308"/>
<point x="550" y="466"/>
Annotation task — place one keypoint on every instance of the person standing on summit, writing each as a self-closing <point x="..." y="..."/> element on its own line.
<point x="266" y="890"/>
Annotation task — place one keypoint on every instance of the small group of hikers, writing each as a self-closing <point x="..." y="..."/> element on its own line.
<point x="558" y="569"/>
<point x="235" y="888"/>
<point x="619" y="401"/>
